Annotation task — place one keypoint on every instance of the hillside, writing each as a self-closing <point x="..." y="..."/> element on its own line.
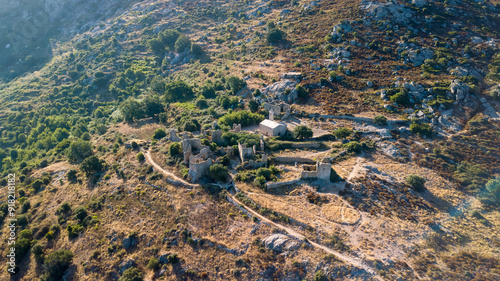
<point x="132" y="128"/>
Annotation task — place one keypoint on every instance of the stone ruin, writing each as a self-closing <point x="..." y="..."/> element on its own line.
<point x="217" y="137"/>
<point x="173" y="136"/>
<point x="278" y="109"/>
<point x="246" y="153"/>
<point x="236" y="128"/>
<point x="321" y="170"/>
<point x="197" y="156"/>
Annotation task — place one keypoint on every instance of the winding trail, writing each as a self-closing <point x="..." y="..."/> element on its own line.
<point x="344" y="257"/>
<point x="157" y="167"/>
<point x="358" y="262"/>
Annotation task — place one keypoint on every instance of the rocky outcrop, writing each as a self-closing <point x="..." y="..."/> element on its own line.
<point x="281" y="242"/>
<point x="396" y="12"/>
<point x="459" y="89"/>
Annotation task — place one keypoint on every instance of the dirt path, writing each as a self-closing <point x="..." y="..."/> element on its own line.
<point x="346" y="258"/>
<point x="157" y="167"/>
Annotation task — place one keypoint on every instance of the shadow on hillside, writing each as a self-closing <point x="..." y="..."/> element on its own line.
<point x="440" y="204"/>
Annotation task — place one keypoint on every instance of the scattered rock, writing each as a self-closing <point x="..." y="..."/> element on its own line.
<point x="397" y="12"/>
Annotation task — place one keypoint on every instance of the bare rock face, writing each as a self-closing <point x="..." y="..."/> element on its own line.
<point x="281" y="242"/>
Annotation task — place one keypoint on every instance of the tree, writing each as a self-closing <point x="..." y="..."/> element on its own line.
<point x="157" y="84"/>
<point x="253" y="106"/>
<point x="275" y="36"/>
<point x="131" y="109"/>
<point x="92" y="165"/>
<point x="159" y="134"/>
<point x="342" y="133"/>
<point x="178" y="91"/>
<point x="140" y="157"/>
<point x="169" y="37"/>
<point x="79" y="150"/>
<point x="156" y="47"/>
<point x="416" y="182"/>
<point x="175" y="149"/>
<point x="243" y="117"/>
<point x="380" y="120"/>
<point x="197" y="50"/>
<point x="182" y="43"/>
<point x="302" y="132"/>
<point x="235" y="84"/>
<point x="218" y="172"/>
<point x="493" y="186"/>
<point x="57" y="263"/>
<point x="152" y="106"/>
<point x="132" y="274"/>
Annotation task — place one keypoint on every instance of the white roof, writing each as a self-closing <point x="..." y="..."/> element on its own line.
<point x="271" y="124"/>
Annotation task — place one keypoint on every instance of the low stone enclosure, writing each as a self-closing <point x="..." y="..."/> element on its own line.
<point x="319" y="171"/>
<point x="322" y="170"/>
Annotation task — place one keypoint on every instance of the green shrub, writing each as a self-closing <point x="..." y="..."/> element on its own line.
<point x="342" y="133"/>
<point x="260" y="182"/>
<point x="218" y="172"/>
<point x="92" y="165"/>
<point x="416" y="182"/>
<point x="175" y="149"/>
<point x="140" y="157"/>
<point x="493" y="187"/>
<point x="380" y="120"/>
<point x="132" y="274"/>
<point x="153" y="264"/>
<point x="57" y="263"/>
<point x="302" y="132"/>
<point x="235" y="84"/>
<point x="353" y="146"/>
<point x="423" y="129"/>
<point x="275" y="36"/>
<point x="79" y="150"/>
<point x="159" y="134"/>
<point x="400" y="98"/>
<point x="243" y="117"/>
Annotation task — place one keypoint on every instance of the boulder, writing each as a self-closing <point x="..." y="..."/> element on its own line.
<point x="126" y="264"/>
<point x="129" y="242"/>
<point x="281" y="242"/>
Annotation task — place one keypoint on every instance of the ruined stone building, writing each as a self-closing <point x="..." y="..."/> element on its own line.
<point x="321" y="170"/>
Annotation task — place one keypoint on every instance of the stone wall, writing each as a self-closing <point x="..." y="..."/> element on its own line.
<point x="306" y="145"/>
<point x="197" y="169"/>
<point x="272" y="185"/>
<point x="293" y="160"/>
